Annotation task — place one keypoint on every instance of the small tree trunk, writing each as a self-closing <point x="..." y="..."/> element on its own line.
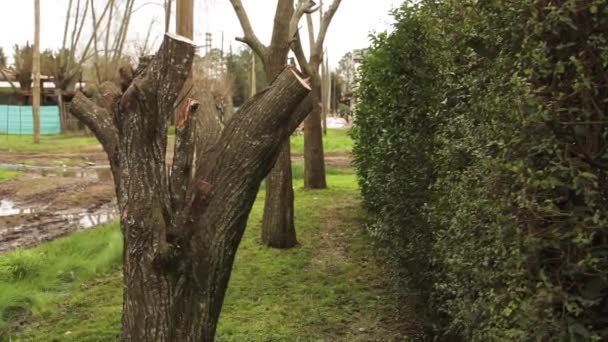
<point x="182" y="227"/>
<point x="63" y="115"/>
<point x="314" y="155"/>
<point x="278" y="228"/>
<point x="36" y="72"/>
<point x="278" y="224"/>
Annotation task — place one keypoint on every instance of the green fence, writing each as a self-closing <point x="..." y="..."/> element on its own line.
<point x="19" y="120"/>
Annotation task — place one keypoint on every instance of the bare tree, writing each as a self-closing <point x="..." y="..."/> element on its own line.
<point x="314" y="157"/>
<point x="2" y="58"/>
<point x="278" y="229"/>
<point x="182" y="224"/>
<point x="36" y="73"/>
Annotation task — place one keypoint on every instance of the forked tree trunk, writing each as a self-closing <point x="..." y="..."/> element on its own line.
<point x="182" y="226"/>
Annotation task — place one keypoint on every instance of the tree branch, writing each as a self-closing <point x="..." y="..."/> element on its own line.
<point x="324" y="26"/>
<point x="67" y="24"/>
<point x="298" y="50"/>
<point x="304" y="7"/>
<point x="250" y="37"/>
<point x="99" y="120"/>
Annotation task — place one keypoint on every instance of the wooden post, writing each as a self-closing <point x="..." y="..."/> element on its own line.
<point x="36" y="72"/>
<point x="184" y="26"/>
<point x="253" y="75"/>
<point x="185" y="18"/>
<point x="168" y="5"/>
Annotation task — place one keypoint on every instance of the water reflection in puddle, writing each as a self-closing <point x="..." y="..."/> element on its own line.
<point x="90" y="220"/>
<point x="80" y="219"/>
<point x="93" y="173"/>
<point x="8" y="208"/>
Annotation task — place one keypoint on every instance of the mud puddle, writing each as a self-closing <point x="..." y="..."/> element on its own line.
<point x="28" y="226"/>
<point x="45" y="203"/>
<point x="101" y="173"/>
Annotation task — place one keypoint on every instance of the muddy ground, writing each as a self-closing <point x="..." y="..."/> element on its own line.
<point x="50" y="200"/>
<point x="43" y="204"/>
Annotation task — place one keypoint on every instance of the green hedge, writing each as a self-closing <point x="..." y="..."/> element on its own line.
<point x="480" y="144"/>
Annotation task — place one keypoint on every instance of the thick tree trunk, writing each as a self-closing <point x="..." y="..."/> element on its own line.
<point x="314" y="155"/>
<point x="182" y="227"/>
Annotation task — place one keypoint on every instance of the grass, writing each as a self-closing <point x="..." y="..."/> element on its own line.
<point x="48" y="143"/>
<point x="32" y="280"/>
<point x="7" y="174"/>
<point x="328" y="289"/>
<point x="336" y="142"/>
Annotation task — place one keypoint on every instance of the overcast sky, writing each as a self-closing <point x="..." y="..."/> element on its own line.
<point x="349" y="30"/>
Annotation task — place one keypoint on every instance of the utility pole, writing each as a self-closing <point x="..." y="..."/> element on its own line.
<point x="36" y="72"/>
<point x="208" y="48"/>
<point x="325" y="92"/>
<point x="253" y="79"/>
<point x="185" y="18"/>
<point x="184" y="26"/>
<point x="168" y="5"/>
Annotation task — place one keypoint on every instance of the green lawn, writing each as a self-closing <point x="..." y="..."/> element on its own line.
<point x="48" y="143"/>
<point x="337" y="142"/>
<point x="6" y="174"/>
<point x="330" y="288"/>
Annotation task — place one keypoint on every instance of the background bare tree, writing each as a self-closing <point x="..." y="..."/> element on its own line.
<point x="314" y="156"/>
<point x="278" y="229"/>
<point x="2" y="58"/>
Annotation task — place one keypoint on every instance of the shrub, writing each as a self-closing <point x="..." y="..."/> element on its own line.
<point x="393" y="132"/>
<point x="513" y="208"/>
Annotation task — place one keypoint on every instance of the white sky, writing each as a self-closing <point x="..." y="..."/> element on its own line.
<point x="349" y="30"/>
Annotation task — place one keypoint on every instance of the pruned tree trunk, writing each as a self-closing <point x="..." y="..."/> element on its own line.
<point x="182" y="225"/>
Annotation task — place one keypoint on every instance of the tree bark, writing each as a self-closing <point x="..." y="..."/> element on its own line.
<point x="182" y="227"/>
<point x="314" y="155"/>
<point x="278" y="223"/>
<point x="278" y="227"/>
